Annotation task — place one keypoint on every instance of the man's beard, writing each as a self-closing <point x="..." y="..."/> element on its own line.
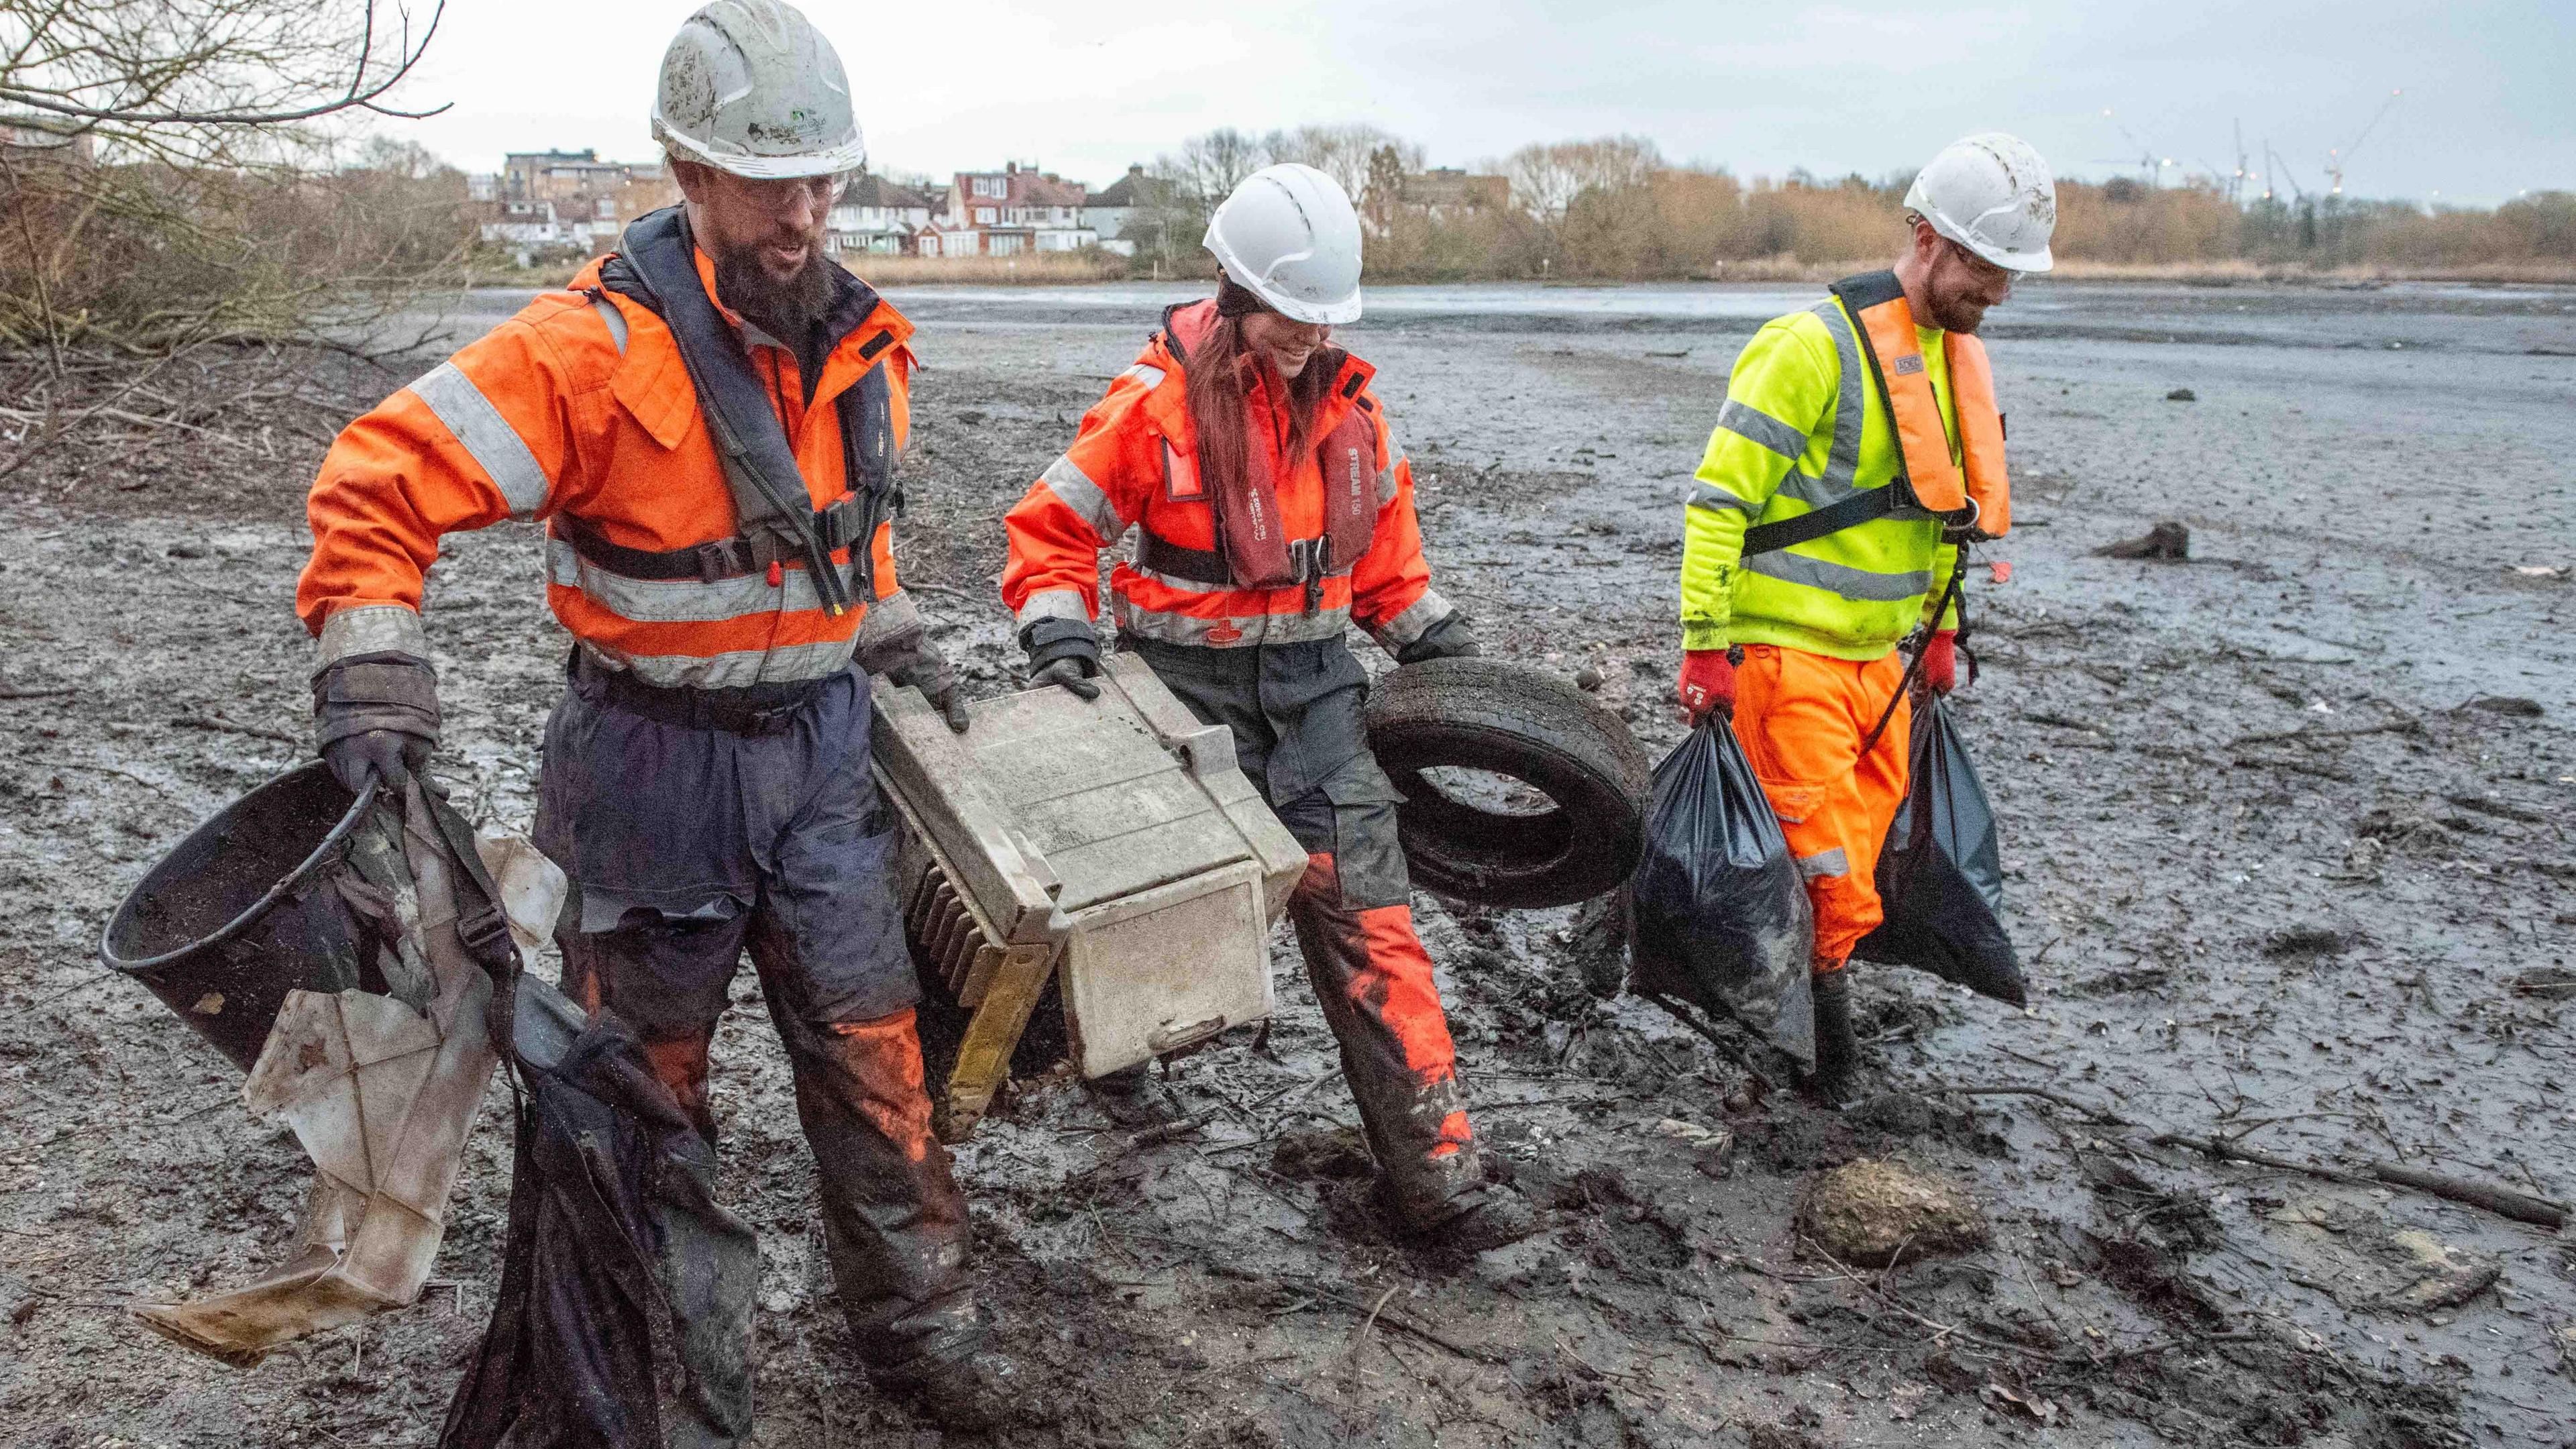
<point x="785" y="310"/>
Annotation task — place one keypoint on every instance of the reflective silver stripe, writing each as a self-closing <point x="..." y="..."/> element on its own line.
<point x="615" y="319"/>
<point x="1760" y="428"/>
<point x="1842" y="460"/>
<point x="1146" y="373"/>
<point x="1177" y="584"/>
<point x="1053" y="604"/>
<point x="1066" y="480"/>
<point x="495" y="446"/>
<point x="784" y="665"/>
<point x="1257" y="629"/>
<point x="1824" y="863"/>
<point x="683" y="601"/>
<point x="1394" y="460"/>
<point x="372" y="629"/>
<point x="1709" y="495"/>
<point x="1849" y="582"/>
<point x="1417" y="620"/>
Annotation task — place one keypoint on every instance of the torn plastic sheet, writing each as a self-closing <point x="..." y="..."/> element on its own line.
<point x="382" y="1097"/>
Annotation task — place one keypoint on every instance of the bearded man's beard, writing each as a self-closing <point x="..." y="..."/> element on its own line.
<point x="785" y="310"/>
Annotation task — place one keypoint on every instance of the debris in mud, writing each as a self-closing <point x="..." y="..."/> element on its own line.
<point x="2313" y="943"/>
<point x="1870" y="1212"/>
<point x="2545" y="981"/>
<point x="2349" y="1252"/>
<point x="2167" y="542"/>
<point x="2182" y="394"/>
<point x="1334" y="1153"/>
<point x="2511" y="705"/>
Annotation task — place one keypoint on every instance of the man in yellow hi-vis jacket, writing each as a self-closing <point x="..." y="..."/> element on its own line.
<point x="1858" y="442"/>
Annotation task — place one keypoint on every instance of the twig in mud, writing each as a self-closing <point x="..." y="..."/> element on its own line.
<point x="225" y="726"/>
<point x="2295" y="767"/>
<point x="1359" y="1335"/>
<point x="1324" y="1293"/>
<point x="2392" y="727"/>
<point x="2502" y="1201"/>
<point x="1730" y="1050"/>
<point x="2043" y="1093"/>
<point x="37" y="693"/>
<point x="1939" y="1330"/>
<point x="911" y="586"/>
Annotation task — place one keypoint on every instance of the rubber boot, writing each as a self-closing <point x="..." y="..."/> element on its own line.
<point x="894" y="1222"/>
<point x="1836" y="1079"/>
<point x="1374" y="983"/>
<point x="1483" y="1218"/>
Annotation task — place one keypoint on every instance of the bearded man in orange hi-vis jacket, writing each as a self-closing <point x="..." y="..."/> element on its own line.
<point x="707" y="424"/>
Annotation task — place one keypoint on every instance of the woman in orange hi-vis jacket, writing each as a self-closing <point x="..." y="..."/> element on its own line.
<point x="1274" y="511"/>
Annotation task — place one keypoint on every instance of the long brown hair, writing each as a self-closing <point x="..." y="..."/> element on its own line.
<point x="1220" y="372"/>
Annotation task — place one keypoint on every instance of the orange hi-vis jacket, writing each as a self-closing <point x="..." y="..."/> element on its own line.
<point x="580" y="411"/>
<point x="1133" y="464"/>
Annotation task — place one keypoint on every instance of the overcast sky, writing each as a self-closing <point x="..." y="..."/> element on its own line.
<point x="1083" y="89"/>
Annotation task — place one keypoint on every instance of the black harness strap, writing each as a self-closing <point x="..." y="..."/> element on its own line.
<point x="656" y="267"/>
<point x="1852" y="512"/>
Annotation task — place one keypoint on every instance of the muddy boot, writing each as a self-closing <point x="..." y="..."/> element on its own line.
<point x="974" y="1394"/>
<point x="1836" y="1080"/>
<point x="1476" y="1221"/>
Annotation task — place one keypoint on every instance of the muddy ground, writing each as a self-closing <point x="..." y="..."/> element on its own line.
<point x="2287" y="827"/>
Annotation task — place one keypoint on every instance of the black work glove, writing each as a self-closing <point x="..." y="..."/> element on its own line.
<point x="375" y="715"/>
<point x="1451" y="638"/>
<point x="937" y="680"/>
<point x="1062" y="651"/>
<point x="895" y="642"/>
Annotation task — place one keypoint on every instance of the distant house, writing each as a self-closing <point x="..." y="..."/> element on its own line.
<point x="567" y="200"/>
<point x="1112" y="211"/>
<point x="1012" y="212"/>
<point x="1446" y="193"/>
<point x="875" y="215"/>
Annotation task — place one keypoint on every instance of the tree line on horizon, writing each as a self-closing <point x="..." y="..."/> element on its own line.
<point x="1616" y="209"/>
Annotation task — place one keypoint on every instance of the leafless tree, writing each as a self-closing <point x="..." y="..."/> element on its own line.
<point x="1547" y="179"/>
<point x="196" y="80"/>
<point x="171" y="177"/>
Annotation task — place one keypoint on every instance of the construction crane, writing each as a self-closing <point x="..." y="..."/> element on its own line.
<point x="2150" y="166"/>
<point x="2338" y="155"/>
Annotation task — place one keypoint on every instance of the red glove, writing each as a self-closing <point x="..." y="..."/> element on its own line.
<point x="1708" y="684"/>
<point x="1941" y="661"/>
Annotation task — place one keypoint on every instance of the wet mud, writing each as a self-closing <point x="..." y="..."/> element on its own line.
<point x="2286" y="826"/>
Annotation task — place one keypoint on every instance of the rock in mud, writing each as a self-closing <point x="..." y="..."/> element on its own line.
<point x="2168" y="541"/>
<point x="1868" y="1212"/>
<point x="2182" y="394"/>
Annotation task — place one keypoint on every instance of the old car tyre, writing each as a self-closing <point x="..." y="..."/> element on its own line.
<point x="1517" y="721"/>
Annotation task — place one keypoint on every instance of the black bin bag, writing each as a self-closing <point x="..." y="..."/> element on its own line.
<point x="1941" y="874"/>
<point x="1722" y="921"/>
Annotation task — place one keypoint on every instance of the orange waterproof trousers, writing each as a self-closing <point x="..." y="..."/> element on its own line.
<point x="1801" y="718"/>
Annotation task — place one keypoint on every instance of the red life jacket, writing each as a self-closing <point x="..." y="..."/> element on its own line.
<point x="1253" y="549"/>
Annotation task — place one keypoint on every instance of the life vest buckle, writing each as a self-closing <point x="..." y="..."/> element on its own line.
<point x="717" y="560"/>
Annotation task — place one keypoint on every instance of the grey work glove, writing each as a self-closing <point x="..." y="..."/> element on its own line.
<point x="895" y="642"/>
<point x="375" y="715"/>
<point x="1450" y="638"/>
<point x="1062" y="651"/>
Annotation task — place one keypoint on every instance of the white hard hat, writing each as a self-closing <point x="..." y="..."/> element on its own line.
<point x="1288" y="235"/>
<point x="751" y="87"/>
<point x="1991" y="194"/>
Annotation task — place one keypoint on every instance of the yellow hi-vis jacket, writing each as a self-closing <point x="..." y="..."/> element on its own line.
<point x="1804" y="427"/>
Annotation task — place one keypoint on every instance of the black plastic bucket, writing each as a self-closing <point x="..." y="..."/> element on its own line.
<point x="246" y="909"/>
